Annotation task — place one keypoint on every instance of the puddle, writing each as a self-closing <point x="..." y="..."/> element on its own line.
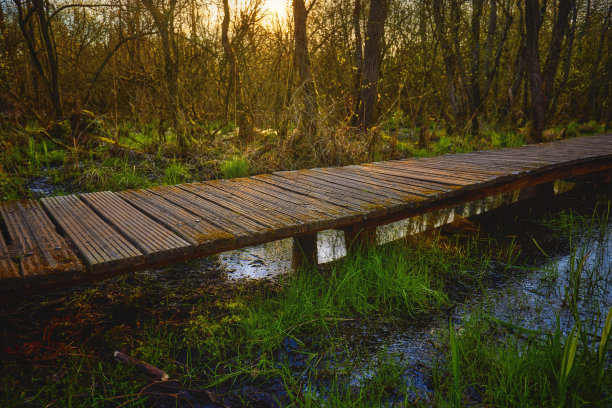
<point x="43" y="186"/>
<point x="274" y="258"/>
<point x="533" y="300"/>
<point x="529" y="299"/>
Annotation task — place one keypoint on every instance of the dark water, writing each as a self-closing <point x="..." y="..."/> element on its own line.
<point x="534" y="298"/>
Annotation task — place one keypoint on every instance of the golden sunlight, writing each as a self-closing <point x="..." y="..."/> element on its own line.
<point x="276" y="7"/>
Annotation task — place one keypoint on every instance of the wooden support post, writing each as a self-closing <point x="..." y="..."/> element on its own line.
<point x="304" y="251"/>
<point x="603" y="177"/>
<point x="356" y="237"/>
<point x="544" y="191"/>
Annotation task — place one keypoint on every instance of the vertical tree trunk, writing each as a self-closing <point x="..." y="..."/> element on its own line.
<point x="309" y="108"/>
<point x="596" y="76"/>
<point x="163" y="19"/>
<point x="549" y="73"/>
<point x="568" y="58"/>
<point x="365" y="111"/>
<point x="358" y="48"/>
<point x="234" y="86"/>
<point x="42" y="8"/>
<point x="475" y="99"/>
<point x="532" y="62"/>
<point x="449" y="66"/>
<point x="47" y="70"/>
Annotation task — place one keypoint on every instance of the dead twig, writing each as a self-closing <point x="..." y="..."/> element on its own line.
<point x="142" y="366"/>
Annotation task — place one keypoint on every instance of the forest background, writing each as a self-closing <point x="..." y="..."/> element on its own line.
<point x="128" y="93"/>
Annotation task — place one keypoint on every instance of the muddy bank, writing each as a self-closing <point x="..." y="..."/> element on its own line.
<point x="43" y="338"/>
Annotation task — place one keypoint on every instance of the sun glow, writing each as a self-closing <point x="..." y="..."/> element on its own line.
<point x="276" y="8"/>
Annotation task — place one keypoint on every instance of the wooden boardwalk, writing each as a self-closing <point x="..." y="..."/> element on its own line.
<point x="87" y="236"/>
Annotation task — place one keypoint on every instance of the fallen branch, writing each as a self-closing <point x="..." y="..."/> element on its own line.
<point x="142" y="366"/>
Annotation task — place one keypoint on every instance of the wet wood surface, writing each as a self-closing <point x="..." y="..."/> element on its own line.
<point x="41" y="254"/>
<point x="135" y="229"/>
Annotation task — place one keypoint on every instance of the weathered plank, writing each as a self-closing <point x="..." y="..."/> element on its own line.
<point x="141" y="228"/>
<point x="265" y="216"/>
<point x="152" y="239"/>
<point x="410" y="185"/>
<point x="252" y="198"/>
<point x="432" y="174"/>
<point x="243" y="228"/>
<point x="10" y="277"/>
<point x="356" y="194"/>
<point x="365" y="188"/>
<point x="430" y="187"/>
<point x="199" y="232"/>
<point x="377" y="185"/>
<point x="43" y="255"/>
<point x="102" y="248"/>
<point x="325" y="209"/>
<point x="322" y="194"/>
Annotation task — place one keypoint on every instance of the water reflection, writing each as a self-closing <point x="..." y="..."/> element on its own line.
<point x="274" y="258"/>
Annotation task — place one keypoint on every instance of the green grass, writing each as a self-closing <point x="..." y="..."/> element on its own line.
<point x="234" y="167"/>
<point x="550" y="370"/>
<point x="176" y="173"/>
<point x="514" y="366"/>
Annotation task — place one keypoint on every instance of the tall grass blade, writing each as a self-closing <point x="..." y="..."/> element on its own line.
<point x="569" y="355"/>
<point x="455" y="366"/>
<point x="603" y="347"/>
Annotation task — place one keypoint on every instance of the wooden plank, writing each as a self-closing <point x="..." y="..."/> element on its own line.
<point x="321" y="194"/>
<point x="199" y="232"/>
<point x="304" y="190"/>
<point x="327" y="210"/>
<point x="408" y="169"/>
<point x="375" y="191"/>
<point x="266" y="216"/>
<point x="155" y="241"/>
<point x="243" y="228"/>
<point x="360" y="193"/>
<point x="44" y="256"/>
<point x="100" y="245"/>
<point x="10" y="278"/>
<point x="385" y="185"/>
<point x="304" y="215"/>
<point x="449" y="166"/>
<point x="425" y="187"/>
<point x="437" y="176"/>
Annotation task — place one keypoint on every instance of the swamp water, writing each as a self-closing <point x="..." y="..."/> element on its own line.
<point x="532" y="294"/>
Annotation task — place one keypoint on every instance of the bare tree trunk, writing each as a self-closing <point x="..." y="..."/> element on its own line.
<point x="532" y="60"/>
<point x="449" y="65"/>
<point x="309" y="108"/>
<point x="358" y="48"/>
<point x="475" y="99"/>
<point x="164" y="22"/>
<point x="549" y="73"/>
<point x="595" y="76"/>
<point x="365" y="110"/>
<point x="234" y="84"/>
<point x="42" y="8"/>
<point x="519" y="64"/>
<point x="49" y="72"/>
<point x="568" y="58"/>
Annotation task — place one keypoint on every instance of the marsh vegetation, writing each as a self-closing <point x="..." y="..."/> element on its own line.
<point x="495" y="310"/>
<point x="492" y="310"/>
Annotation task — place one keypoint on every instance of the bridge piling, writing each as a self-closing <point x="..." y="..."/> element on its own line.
<point x="304" y="251"/>
<point x="357" y="237"/>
